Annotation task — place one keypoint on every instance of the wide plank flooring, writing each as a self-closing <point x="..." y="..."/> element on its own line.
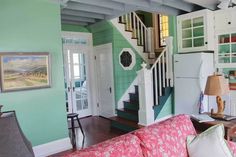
<point x="96" y="129"/>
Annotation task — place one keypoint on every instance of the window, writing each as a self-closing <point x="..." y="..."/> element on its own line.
<point x="163" y="29"/>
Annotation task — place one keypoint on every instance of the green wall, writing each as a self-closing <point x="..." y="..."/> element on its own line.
<point x="34" y="26"/>
<point x="103" y="33"/>
<point x="168" y="108"/>
<point x="73" y="28"/>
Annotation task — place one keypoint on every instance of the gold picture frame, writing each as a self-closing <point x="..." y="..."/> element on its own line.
<point x="24" y="71"/>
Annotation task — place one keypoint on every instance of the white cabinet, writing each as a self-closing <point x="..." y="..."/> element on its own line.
<point x="225" y="38"/>
<point x="196" y="31"/>
<point x="225" y="20"/>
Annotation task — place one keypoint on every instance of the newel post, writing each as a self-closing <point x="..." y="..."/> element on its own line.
<point x="146" y="100"/>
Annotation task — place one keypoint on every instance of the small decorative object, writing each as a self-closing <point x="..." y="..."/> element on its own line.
<point x="21" y="71"/>
<point x="127" y="59"/>
<point x="217" y="86"/>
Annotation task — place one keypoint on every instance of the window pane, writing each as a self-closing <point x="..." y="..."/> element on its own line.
<point x="76" y="58"/>
<point x="76" y="71"/>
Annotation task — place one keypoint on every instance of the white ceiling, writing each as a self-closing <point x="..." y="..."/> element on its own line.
<point x="86" y="12"/>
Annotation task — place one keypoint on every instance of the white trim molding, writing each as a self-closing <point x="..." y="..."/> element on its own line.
<point x="52" y="147"/>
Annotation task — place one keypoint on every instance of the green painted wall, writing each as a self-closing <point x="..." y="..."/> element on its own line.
<point x="34" y="26"/>
<point x="103" y="33"/>
<point x="73" y="28"/>
<point x="168" y="108"/>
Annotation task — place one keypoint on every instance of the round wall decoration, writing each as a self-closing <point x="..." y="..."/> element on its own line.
<point x="127" y="59"/>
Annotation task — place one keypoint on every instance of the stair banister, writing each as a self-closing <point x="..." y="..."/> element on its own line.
<point x="152" y="82"/>
<point x="146" y="112"/>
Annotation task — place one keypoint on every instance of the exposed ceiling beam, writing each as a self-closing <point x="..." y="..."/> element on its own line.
<point x="178" y="4"/>
<point x="150" y="6"/>
<point x="77" y="18"/>
<point x="74" y="22"/>
<point x="209" y="4"/>
<point x="135" y="3"/>
<point x="83" y="14"/>
<point x="89" y="8"/>
<point x="103" y="3"/>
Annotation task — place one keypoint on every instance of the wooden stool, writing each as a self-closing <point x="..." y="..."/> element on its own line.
<point x="71" y="116"/>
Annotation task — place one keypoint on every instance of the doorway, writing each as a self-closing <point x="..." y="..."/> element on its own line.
<point x="105" y="80"/>
<point x="76" y="49"/>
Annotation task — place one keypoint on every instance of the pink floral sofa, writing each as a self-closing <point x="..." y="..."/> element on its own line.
<point x="164" y="139"/>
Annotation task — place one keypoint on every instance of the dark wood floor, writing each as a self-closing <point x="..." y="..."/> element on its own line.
<point x="96" y="129"/>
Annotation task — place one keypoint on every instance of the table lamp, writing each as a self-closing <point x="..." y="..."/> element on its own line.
<point x="217" y="86"/>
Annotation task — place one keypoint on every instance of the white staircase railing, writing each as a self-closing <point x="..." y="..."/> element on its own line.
<point x="140" y="32"/>
<point x="152" y="81"/>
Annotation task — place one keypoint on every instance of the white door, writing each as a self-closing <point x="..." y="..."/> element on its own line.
<point x="105" y="81"/>
<point x="77" y="48"/>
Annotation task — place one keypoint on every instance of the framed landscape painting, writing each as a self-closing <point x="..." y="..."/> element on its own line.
<point x="23" y="71"/>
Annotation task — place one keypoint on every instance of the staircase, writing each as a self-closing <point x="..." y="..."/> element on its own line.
<point x="155" y="83"/>
<point x="127" y="117"/>
<point x="138" y="35"/>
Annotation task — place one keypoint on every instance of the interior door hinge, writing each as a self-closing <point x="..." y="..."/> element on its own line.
<point x="95" y="57"/>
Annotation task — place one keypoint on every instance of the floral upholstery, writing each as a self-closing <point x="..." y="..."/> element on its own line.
<point x="164" y="139"/>
<point x="123" y="146"/>
<point x="232" y="146"/>
<point x="167" y="138"/>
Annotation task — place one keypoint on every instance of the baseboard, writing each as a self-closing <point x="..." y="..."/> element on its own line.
<point x="52" y="147"/>
<point x="163" y="118"/>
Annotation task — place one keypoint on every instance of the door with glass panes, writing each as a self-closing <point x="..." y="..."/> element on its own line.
<point x="76" y="87"/>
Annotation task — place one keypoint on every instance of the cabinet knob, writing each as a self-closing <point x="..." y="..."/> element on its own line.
<point x="206" y="42"/>
<point x="229" y="22"/>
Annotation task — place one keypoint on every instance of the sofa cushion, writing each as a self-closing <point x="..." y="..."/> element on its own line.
<point x="167" y="138"/>
<point x="126" y="145"/>
<point x="211" y="139"/>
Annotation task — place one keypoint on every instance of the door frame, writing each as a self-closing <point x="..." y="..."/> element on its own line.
<point x="108" y="45"/>
<point x="90" y="65"/>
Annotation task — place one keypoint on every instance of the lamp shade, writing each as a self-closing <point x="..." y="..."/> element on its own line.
<point x="216" y="85"/>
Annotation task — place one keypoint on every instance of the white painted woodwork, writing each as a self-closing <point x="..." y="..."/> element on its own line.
<point x="225" y="24"/>
<point x="105" y="80"/>
<point x="208" y="24"/>
<point x="147" y="82"/>
<point x="143" y="34"/>
<point x="146" y="112"/>
<point x="128" y="35"/>
<point x="83" y="93"/>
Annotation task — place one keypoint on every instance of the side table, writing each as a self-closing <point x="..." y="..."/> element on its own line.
<point x="230" y="127"/>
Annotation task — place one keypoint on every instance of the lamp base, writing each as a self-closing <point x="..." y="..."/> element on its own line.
<point x="220" y="107"/>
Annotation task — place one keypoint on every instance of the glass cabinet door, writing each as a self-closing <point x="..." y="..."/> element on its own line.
<point x="227" y="48"/>
<point x="193" y="32"/>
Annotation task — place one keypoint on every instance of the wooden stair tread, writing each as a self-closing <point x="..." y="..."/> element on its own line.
<point x="126" y="122"/>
